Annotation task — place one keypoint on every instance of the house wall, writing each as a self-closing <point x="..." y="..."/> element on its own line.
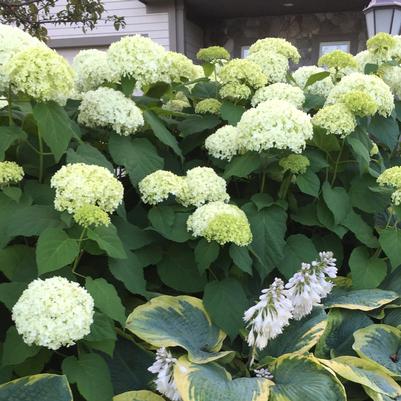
<point x="193" y="38"/>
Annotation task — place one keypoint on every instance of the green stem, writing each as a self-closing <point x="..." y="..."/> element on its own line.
<point x="37" y="151"/>
<point x="252" y="357"/>
<point x="10" y="111"/>
<point x="337" y="162"/>
<point x="263" y="182"/>
<point x="80" y="252"/>
<point x="285" y="186"/>
<point x="40" y="157"/>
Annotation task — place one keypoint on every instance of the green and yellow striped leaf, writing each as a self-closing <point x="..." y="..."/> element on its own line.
<point x="142" y="395"/>
<point x="44" y="387"/>
<point x="211" y="382"/>
<point x="181" y="321"/>
<point x="378" y="396"/>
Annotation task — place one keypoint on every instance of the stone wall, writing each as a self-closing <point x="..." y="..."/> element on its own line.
<point x="304" y="31"/>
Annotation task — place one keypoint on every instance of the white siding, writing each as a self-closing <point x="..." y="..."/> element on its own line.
<point x="193" y="37"/>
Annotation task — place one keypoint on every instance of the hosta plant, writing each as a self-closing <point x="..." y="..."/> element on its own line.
<point x="221" y="230"/>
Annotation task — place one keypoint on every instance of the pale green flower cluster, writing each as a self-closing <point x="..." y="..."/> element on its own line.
<point x="336" y="119"/>
<point x="280" y="91"/>
<point x="205" y="106"/>
<point x="158" y="186"/>
<point x="92" y="70"/>
<point x="370" y="85"/>
<point x="274" y="124"/>
<point x="276" y="45"/>
<point x="223" y="144"/>
<point x="362" y="58"/>
<point x="220" y="222"/>
<point x="91" y="215"/>
<point x="374" y="150"/>
<point x="339" y="63"/>
<point x="53" y="313"/>
<point x="106" y="107"/>
<point x="136" y="57"/>
<point x="240" y="74"/>
<point x="175" y="67"/>
<point x="392" y="178"/>
<point x="391" y="75"/>
<point x="178" y="103"/>
<point x="295" y="164"/>
<point x="81" y="184"/>
<point x="235" y="91"/>
<point x="360" y="103"/>
<point x="320" y="88"/>
<point x="41" y="73"/>
<point x="213" y="54"/>
<point x="381" y="46"/>
<point x="12" y="41"/>
<point x="10" y="173"/>
<point x="274" y="65"/>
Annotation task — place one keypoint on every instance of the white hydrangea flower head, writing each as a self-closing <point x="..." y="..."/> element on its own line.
<point x="391" y="75"/>
<point x="163" y="367"/>
<point x="10" y="173"/>
<point x="235" y="91"/>
<point x="274" y="65"/>
<point x="339" y="63"/>
<point x="381" y="46"/>
<point x="267" y="319"/>
<point x="396" y="197"/>
<point x="391" y="177"/>
<point x="175" y="105"/>
<point x="274" y="124"/>
<point x="92" y="70"/>
<point x="276" y="45"/>
<point x="176" y="67"/>
<point x="53" y="313"/>
<point x="210" y="105"/>
<point x="158" y="186"/>
<point x="202" y="185"/>
<point x="280" y="91"/>
<point x="107" y="107"/>
<point x="223" y="144"/>
<point x="369" y="84"/>
<point x="12" y="41"/>
<point x="81" y="184"/>
<point x="91" y="215"/>
<point x="308" y="286"/>
<point x="220" y="222"/>
<point x="336" y="119"/>
<point x="41" y="73"/>
<point x="136" y="57"/>
<point x="362" y="58"/>
<point x="320" y="88"/>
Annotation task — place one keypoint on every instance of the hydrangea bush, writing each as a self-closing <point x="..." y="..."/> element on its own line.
<point x="201" y="230"/>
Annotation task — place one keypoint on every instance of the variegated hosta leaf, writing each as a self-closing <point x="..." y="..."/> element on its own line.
<point x="381" y="344"/>
<point x="364" y="300"/>
<point x="378" y="396"/>
<point x="142" y="395"/>
<point x="299" y="337"/>
<point x="364" y="372"/>
<point x="302" y="378"/>
<point x="211" y="382"/>
<point x="44" y="387"/>
<point x="182" y="321"/>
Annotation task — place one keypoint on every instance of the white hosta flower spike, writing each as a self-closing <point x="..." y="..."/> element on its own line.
<point x="263" y="373"/>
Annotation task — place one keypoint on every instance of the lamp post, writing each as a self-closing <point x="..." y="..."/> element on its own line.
<point x="383" y="16"/>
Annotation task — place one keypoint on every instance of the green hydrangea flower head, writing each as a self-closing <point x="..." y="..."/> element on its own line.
<point x="360" y="103"/>
<point x="337" y="59"/>
<point x="296" y="164"/>
<point x="381" y="45"/>
<point x="276" y="45"/>
<point x="235" y="91"/>
<point x="213" y="54"/>
<point x="205" y="106"/>
<point x="91" y="215"/>
<point x="392" y="178"/>
<point x="10" y="173"/>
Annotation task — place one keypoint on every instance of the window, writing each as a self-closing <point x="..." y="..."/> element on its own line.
<point x="327" y="47"/>
<point x="244" y="51"/>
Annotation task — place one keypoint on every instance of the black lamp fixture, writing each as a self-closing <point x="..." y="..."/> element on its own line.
<point x="383" y="16"/>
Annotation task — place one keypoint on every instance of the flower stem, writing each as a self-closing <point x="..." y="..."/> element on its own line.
<point x="40" y="157"/>
<point x="10" y="111"/>
<point x="285" y="186"/>
<point x="263" y="182"/>
<point x="252" y="356"/>
<point x="80" y="252"/>
<point x="337" y="162"/>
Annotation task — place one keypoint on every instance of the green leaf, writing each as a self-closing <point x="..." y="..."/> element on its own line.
<point x="390" y="241"/>
<point x="231" y="112"/>
<point x="17" y="263"/>
<point x="55" y="249"/>
<point x="380" y="344"/>
<point x="226" y="302"/>
<point x="143" y="395"/>
<point x="108" y="240"/>
<point x="194" y="124"/>
<point x="367" y="272"/>
<point x="309" y="183"/>
<point x="316" y="77"/>
<point x="181" y="321"/>
<point x="393" y="317"/>
<point x="10" y="292"/>
<point x="328" y="143"/>
<point x="205" y="89"/>
<point x="54" y="127"/>
<point x="137" y="155"/>
<point x="241" y="258"/>
<point x="102" y="328"/>
<point x="385" y="130"/>
<point x="8" y="136"/>
<point x="293" y="380"/>
<point x="106" y="298"/>
<point x="127" y="85"/>
<point x="362" y="230"/>
<point x="91" y="375"/>
<point x="205" y="254"/>
<point x="297" y="250"/>
<point x="359" y="143"/>
<point x="370" y="68"/>
<point x="161" y="132"/>
<point x="48" y="387"/>
<point x="243" y="165"/>
<point x="87" y="154"/>
<point x="337" y="200"/>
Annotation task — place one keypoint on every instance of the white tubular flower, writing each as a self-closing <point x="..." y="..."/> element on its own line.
<point x="370" y="85"/>
<point x="106" y="107"/>
<point x="202" y="185"/>
<point x="274" y="65"/>
<point x="263" y="373"/>
<point x="308" y="286"/>
<point x="280" y="91"/>
<point x="136" y="57"/>
<point x="10" y="173"/>
<point x="220" y="222"/>
<point x="274" y="124"/>
<point x="223" y="144"/>
<point x="163" y="367"/>
<point x="267" y="319"/>
<point x="320" y="88"/>
<point x="83" y="184"/>
<point x="92" y="69"/>
<point x="157" y="187"/>
<point x="53" y="313"/>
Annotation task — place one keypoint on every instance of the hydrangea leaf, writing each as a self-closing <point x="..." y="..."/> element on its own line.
<point x="9" y="135"/>
<point x="142" y="395"/>
<point x="43" y="387"/>
<point x="181" y="321"/>
<point x="108" y="240"/>
<point x="88" y="154"/>
<point x="212" y="382"/>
